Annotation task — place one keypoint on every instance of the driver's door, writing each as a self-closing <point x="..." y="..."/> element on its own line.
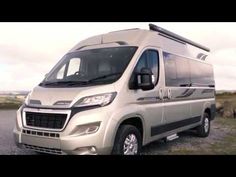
<point x="150" y="101"/>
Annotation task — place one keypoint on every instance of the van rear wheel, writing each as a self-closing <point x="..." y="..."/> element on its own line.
<point x="128" y="141"/>
<point x="203" y="130"/>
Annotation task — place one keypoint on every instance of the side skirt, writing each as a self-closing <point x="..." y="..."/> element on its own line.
<point x="155" y="130"/>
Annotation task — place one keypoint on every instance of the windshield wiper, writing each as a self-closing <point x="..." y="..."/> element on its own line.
<point x="103" y="77"/>
<point x="65" y="82"/>
<point x="81" y="82"/>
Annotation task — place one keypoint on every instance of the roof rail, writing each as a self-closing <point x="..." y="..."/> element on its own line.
<point x="118" y="42"/>
<point x="124" y="30"/>
<point x="176" y="36"/>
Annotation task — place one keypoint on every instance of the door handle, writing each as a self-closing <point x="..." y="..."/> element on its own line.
<point x="169" y="95"/>
<point x="161" y="94"/>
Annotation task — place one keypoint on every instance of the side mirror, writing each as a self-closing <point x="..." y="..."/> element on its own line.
<point x="145" y="79"/>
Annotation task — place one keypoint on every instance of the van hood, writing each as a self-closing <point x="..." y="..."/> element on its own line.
<point x="63" y="97"/>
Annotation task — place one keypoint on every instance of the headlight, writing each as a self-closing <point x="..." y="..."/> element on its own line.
<point x="96" y="100"/>
<point x="86" y="129"/>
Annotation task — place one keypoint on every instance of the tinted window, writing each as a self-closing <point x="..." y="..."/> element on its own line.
<point x="201" y="74"/>
<point x="149" y="59"/>
<point x="183" y="71"/>
<point x="74" y="66"/>
<point x="180" y="71"/>
<point x="170" y="69"/>
<point x="176" y="70"/>
<point x="142" y="63"/>
<point x="153" y="63"/>
<point x="95" y="66"/>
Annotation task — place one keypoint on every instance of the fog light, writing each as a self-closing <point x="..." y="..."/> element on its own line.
<point x="91" y="150"/>
<point x="86" y="129"/>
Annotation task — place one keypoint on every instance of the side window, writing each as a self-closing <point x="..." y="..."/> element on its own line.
<point x="177" y="71"/>
<point x="153" y="63"/>
<point x="170" y="69"/>
<point x="141" y="63"/>
<point x="60" y="74"/>
<point x="183" y="71"/>
<point x="201" y="74"/>
<point x="149" y="59"/>
<point x="208" y="75"/>
<point x="74" y="66"/>
<point x="196" y="73"/>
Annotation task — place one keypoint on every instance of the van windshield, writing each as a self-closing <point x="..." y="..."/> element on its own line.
<point x="90" y="67"/>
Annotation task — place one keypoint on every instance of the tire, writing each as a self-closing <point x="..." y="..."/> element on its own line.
<point x="203" y="130"/>
<point x="126" y="133"/>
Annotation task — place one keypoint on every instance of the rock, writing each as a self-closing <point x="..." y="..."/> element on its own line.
<point x="220" y="112"/>
<point x="228" y="114"/>
<point x="219" y="106"/>
<point x="228" y="110"/>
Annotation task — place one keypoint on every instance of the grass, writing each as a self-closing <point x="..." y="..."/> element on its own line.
<point x="185" y="151"/>
<point x="10" y="102"/>
<point x="231" y="97"/>
<point x="9" y="106"/>
<point x="225" y="145"/>
<point x="228" y="145"/>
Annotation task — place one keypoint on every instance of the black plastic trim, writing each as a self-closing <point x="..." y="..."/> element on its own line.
<point x="213" y="111"/>
<point x="176" y="36"/>
<point x="174" y="125"/>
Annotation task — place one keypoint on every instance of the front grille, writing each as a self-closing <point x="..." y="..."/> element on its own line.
<point x="45" y="120"/>
<point x="40" y="133"/>
<point x="43" y="149"/>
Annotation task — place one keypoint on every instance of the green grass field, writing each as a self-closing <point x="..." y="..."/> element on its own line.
<point x="10" y="102"/>
<point x="221" y="141"/>
<point x="231" y="97"/>
<point x="228" y="145"/>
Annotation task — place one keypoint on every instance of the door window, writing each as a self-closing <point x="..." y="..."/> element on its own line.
<point x="149" y="59"/>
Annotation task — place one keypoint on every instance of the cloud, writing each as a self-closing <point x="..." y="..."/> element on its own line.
<point x="29" y="50"/>
<point x="223" y="57"/>
<point x="225" y="77"/>
<point x="224" y="62"/>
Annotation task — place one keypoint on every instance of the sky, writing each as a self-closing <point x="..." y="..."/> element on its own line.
<point x="29" y="50"/>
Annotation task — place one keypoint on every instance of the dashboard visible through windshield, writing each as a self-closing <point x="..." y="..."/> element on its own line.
<point x="90" y="67"/>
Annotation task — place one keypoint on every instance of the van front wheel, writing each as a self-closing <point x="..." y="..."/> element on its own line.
<point x="128" y="141"/>
<point x="203" y="130"/>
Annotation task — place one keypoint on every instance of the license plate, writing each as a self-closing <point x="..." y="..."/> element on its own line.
<point x="41" y="141"/>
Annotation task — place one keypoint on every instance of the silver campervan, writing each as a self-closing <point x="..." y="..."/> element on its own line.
<point x="116" y="92"/>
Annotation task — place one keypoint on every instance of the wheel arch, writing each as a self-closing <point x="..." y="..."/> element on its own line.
<point x="133" y="119"/>
<point x="209" y="108"/>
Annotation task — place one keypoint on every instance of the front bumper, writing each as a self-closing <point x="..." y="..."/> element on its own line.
<point x="63" y="146"/>
<point x="65" y="142"/>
